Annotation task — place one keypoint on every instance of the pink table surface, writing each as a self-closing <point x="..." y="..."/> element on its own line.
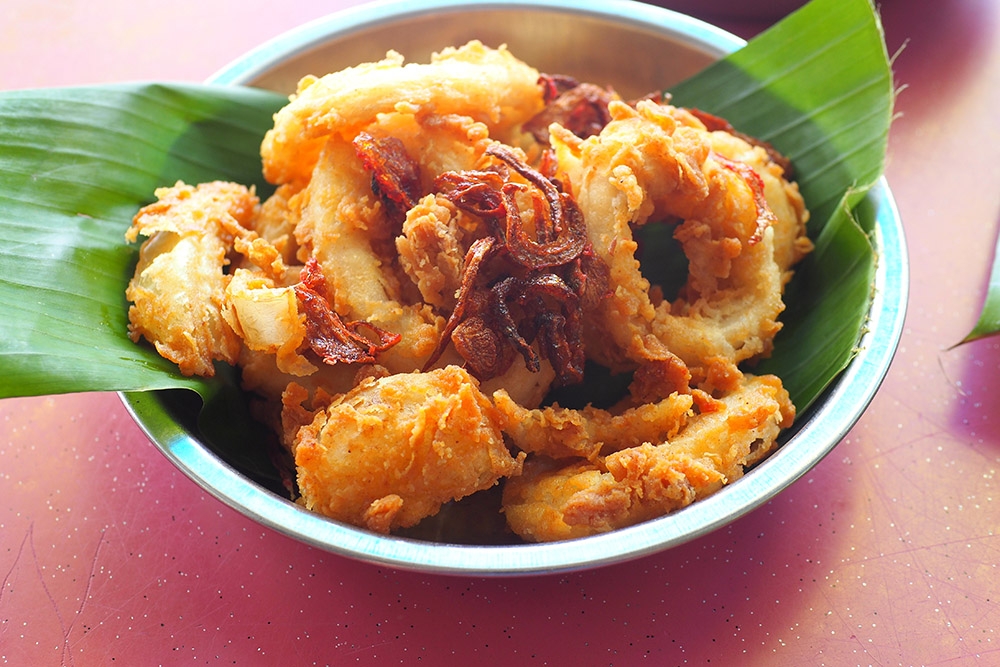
<point x="885" y="554"/>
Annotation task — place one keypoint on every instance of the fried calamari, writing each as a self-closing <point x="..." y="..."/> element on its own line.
<point x="178" y="292"/>
<point x="394" y="449"/>
<point x="449" y="242"/>
<point x="555" y="500"/>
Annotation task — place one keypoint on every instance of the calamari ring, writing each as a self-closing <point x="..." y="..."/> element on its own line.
<point x="345" y="225"/>
<point x="190" y="232"/>
<point x="561" y="433"/>
<point x="339" y="215"/>
<point x="490" y="85"/>
<point x="783" y="197"/>
<point x="555" y="500"/>
<point x="656" y="162"/>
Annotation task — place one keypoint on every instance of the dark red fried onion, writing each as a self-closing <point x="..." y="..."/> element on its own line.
<point x="536" y="300"/>
<point x="327" y="335"/>
<point x="486" y="354"/>
<point x="554" y="85"/>
<point x="560" y="231"/>
<point x="477" y="192"/>
<point x="582" y="108"/>
<point x="474" y="259"/>
<point x="395" y="175"/>
<point x="558" y="327"/>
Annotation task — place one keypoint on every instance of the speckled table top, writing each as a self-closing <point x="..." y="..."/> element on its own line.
<point x="886" y="553"/>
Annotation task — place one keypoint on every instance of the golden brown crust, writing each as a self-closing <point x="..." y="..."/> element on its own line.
<point x="489" y="85"/>
<point x="178" y="290"/>
<point x="424" y="438"/>
<point x="656" y="162"/>
<point x="556" y="501"/>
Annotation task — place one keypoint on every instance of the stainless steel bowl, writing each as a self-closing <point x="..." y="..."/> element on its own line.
<point x="640" y="46"/>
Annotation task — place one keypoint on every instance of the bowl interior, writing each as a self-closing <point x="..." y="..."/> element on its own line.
<point x="637" y="49"/>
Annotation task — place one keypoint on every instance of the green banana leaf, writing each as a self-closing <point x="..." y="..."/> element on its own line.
<point x="76" y="164"/>
<point x="989" y="317"/>
<point x="818" y="86"/>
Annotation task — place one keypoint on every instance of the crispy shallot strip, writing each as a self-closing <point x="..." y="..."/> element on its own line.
<point x="582" y="108"/>
<point x="531" y="303"/>
<point x="564" y="218"/>
<point x="474" y="259"/>
<point x="330" y="337"/>
<point x="395" y="175"/>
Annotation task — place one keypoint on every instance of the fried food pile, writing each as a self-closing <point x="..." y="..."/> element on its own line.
<point x="446" y="244"/>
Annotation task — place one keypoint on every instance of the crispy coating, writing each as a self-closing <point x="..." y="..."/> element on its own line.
<point x="275" y="222"/>
<point x="344" y="224"/>
<point x="393" y="450"/>
<point x="436" y="143"/>
<point x="339" y="218"/>
<point x="490" y="85"/>
<point x="431" y="251"/>
<point x="656" y="162"/>
<point x="565" y="433"/>
<point x="267" y="318"/>
<point x="178" y="290"/>
<point x="555" y="500"/>
<point x="791" y="244"/>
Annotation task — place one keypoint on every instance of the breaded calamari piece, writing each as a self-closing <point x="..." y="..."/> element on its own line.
<point x="431" y="252"/>
<point x="178" y="289"/>
<point x="394" y="449"/>
<point x="489" y="85"/>
<point x="655" y="162"/>
<point x="790" y="214"/>
<point x="566" y="433"/>
<point x="553" y="500"/>
<point x="340" y="216"/>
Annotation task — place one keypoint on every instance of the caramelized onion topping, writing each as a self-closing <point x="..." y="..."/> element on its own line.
<point x="522" y="289"/>
<point x="327" y="334"/>
<point x="395" y="175"/>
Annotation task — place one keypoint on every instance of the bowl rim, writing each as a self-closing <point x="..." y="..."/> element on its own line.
<point x="686" y="29"/>
<point x="828" y="421"/>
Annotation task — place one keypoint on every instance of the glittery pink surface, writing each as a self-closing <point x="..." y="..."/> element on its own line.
<point x="886" y="553"/>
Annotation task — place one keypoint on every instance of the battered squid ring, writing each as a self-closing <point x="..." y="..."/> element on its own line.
<point x="556" y="499"/>
<point x="657" y="162"/>
<point x="491" y="85"/>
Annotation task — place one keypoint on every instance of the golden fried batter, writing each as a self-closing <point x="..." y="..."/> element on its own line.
<point x="178" y="290"/>
<point x="339" y="217"/>
<point x="393" y="450"/>
<point x="790" y="214"/>
<point x="561" y="433"/>
<point x="489" y="85"/>
<point x="418" y="227"/>
<point x="654" y="162"/>
<point x="430" y="251"/>
<point x="557" y="501"/>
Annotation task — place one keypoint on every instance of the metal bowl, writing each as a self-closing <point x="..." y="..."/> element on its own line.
<point x="611" y="42"/>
